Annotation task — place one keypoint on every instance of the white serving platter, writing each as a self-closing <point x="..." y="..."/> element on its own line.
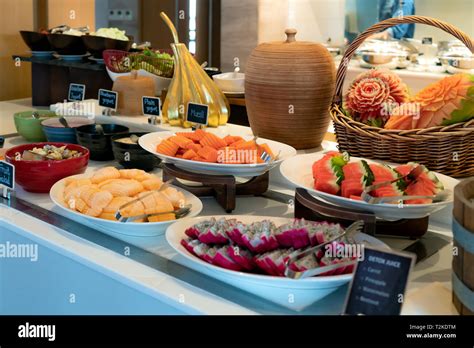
<point x="135" y="229"/>
<point x="298" y="171"/>
<point x="295" y="294"/>
<point x="150" y="141"/>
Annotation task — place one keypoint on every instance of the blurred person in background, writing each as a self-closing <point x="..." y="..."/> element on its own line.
<point x="392" y="9"/>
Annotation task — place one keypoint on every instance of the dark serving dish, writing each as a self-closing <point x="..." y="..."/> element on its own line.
<point x="67" y="44"/>
<point x="96" y="45"/>
<point x="36" y="41"/>
<point x="99" y="143"/>
<point x="133" y="156"/>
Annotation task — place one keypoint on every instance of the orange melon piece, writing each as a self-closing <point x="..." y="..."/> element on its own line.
<point x="194" y="147"/>
<point x="180" y="141"/>
<point x="162" y="217"/>
<point x="238" y="143"/>
<point x="208" y="153"/>
<point x="194" y="136"/>
<point x="167" y="148"/>
<point x="190" y="154"/>
<point x="213" y="140"/>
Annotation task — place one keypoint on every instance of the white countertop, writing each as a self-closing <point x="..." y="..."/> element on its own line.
<point x="434" y="269"/>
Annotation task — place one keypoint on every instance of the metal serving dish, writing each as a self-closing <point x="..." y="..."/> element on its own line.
<point x="458" y="62"/>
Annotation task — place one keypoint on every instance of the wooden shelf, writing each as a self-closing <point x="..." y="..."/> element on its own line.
<point x="84" y="64"/>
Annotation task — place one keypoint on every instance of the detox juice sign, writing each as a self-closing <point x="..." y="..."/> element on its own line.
<point x="379" y="283"/>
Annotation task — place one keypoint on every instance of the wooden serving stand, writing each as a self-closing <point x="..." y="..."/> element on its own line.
<point x="312" y="208"/>
<point x="224" y="188"/>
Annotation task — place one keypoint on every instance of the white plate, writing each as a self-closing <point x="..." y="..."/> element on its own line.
<point x="150" y="141"/>
<point x="303" y="292"/>
<point x="113" y="227"/>
<point x="298" y="171"/>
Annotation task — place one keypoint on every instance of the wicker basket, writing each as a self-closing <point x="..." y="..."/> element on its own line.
<point x="445" y="149"/>
<point x="123" y="62"/>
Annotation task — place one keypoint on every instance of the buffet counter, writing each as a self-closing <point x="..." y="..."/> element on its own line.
<point x="82" y="271"/>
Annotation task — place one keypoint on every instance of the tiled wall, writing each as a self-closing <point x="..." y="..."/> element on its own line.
<point x="132" y="27"/>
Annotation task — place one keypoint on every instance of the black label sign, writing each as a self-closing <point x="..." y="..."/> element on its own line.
<point x="76" y="92"/>
<point x="197" y="113"/>
<point x="151" y="106"/>
<point x="7" y="175"/>
<point x="108" y="99"/>
<point x="379" y="283"/>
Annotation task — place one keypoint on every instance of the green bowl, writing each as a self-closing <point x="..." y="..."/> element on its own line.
<point x="29" y="127"/>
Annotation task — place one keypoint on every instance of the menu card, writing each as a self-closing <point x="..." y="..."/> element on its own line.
<point x="108" y="99"/>
<point x="7" y="177"/>
<point x="151" y="106"/>
<point x="197" y="113"/>
<point x="379" y="283"/>
<point x="76" y="92"/>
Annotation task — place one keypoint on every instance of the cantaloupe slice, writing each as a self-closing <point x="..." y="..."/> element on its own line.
<point x="190" y="154"/>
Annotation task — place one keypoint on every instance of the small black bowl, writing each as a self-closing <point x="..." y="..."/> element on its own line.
<point x="98" y="143"/>
<point x="67" y="44"/>
<point x="36" y="41"/>
<point x="133" y="156"/>
<point x="96" y="45"/>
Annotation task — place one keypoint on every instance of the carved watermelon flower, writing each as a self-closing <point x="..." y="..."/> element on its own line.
<point x="373" y="94"/>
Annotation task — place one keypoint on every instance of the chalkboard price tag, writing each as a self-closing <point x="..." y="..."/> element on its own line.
<point x="379" y="283"/>
<point x="76" y="92"/>
<point x="7" y="177"/>
<point x="151" y="106"/>
<point x="108" y="99"/>
<point x="197" y="113"/>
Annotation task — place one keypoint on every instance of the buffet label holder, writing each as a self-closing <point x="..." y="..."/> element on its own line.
<point x="198" y="115"/>
<point x="312" y="208"/>
<point x="76" y="92"/>
<point x="108" y="100"/>
<point x="151" y="106"/>
<point x="225" y="188"/>
<point x="7" y="179"/>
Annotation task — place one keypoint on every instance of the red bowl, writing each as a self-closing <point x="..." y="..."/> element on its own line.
<point x="40" y="176"/>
